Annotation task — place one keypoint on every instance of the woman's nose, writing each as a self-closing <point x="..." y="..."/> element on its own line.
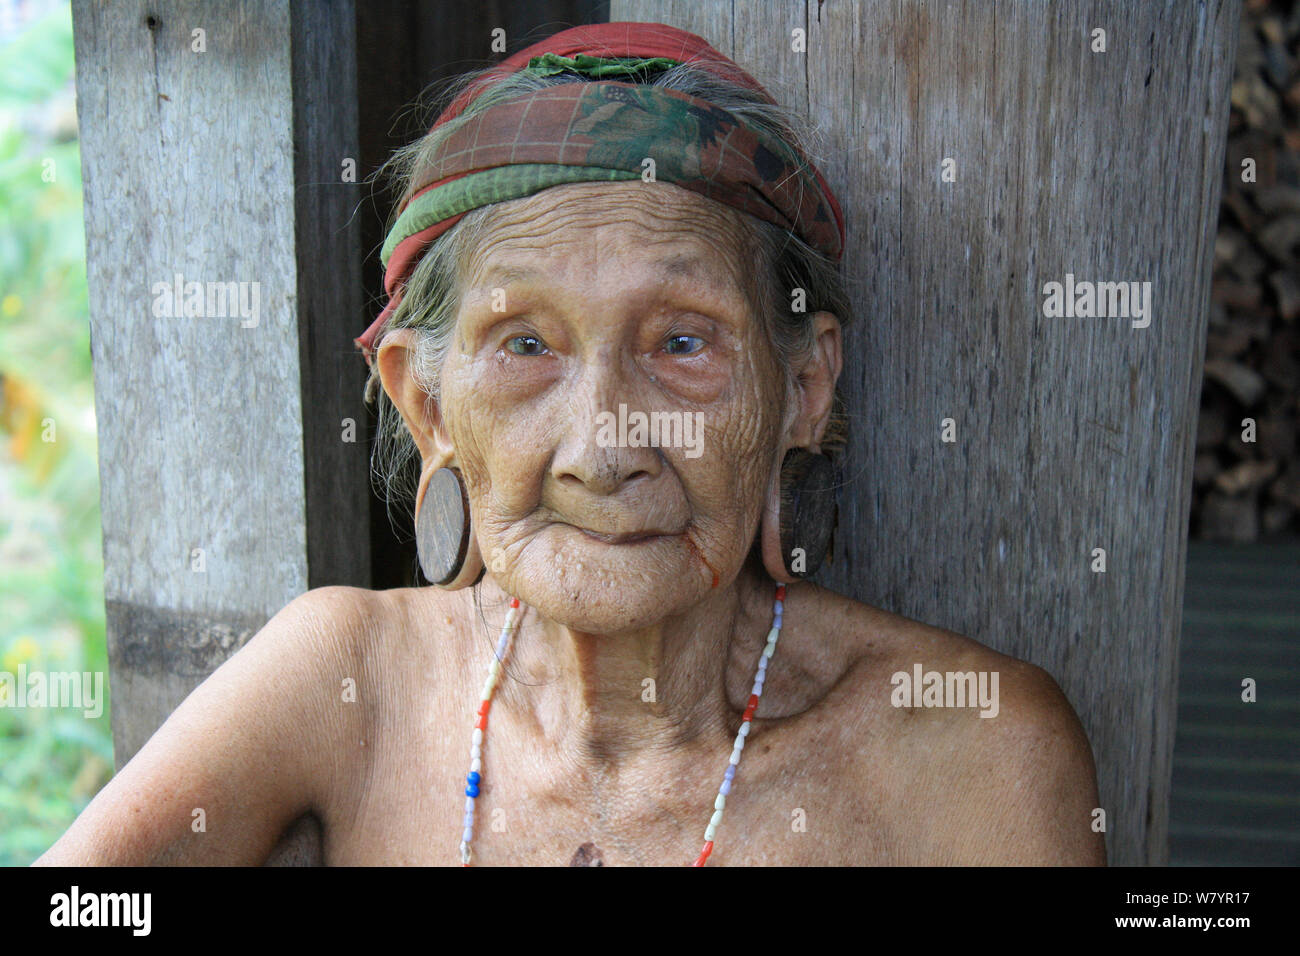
<point x="595" y="452"/>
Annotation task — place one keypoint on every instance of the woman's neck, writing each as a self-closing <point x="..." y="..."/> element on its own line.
<point x="642" y="698"/>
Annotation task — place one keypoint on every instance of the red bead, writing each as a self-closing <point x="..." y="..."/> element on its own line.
<point x="753" y="701"/>
<point x="780" y="592"/>
<point x="483" y="708"/>
<point x="747" y="716"/>
<point x="481" y="723"/>
<point x="704" y="854"/>
<point x="514" y="602"/>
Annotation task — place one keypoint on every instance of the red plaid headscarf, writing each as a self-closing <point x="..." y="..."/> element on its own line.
<point x="601" y="131"/>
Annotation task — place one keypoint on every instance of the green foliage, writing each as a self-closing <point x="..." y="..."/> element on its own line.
<point x="52" y="761"/>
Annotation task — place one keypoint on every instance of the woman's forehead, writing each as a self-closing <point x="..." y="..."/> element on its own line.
<point x="652" y="228"/>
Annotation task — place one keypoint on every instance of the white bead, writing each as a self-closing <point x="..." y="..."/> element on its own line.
<point x="744" y="729"/>
<point x="720" y="803"/>
<point x="708" y="832"/>
<point x="495" y="666"/>
<point x="735" y="756"/>
<point x="715" y="819"/>
<point x="740" y="737"/>
<point x="769" y="650"/>
<point x="475" y="765"/>
<point x="773" y="634"/>
<point x="476" y="739"/>
<point x="469" y="804"/>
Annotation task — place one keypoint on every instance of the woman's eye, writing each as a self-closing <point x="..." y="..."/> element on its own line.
<point x="526" y="345"/>
<point x="684" y="344"/>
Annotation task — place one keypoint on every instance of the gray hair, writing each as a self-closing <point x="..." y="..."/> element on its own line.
<point x="432" y="294"/>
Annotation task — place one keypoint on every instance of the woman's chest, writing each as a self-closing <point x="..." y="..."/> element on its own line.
<point x="792" y="802"/>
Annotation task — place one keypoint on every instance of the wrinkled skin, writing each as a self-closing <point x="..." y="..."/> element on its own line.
<point x="610" y="731"/>
<point x="602" y="324"/>
<point x="522" y="428"/>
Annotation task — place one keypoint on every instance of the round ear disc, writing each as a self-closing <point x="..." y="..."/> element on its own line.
<point x="442" y="530"/>
<point x="808" y="508"/>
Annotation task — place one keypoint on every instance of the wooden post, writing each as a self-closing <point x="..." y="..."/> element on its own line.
<point x="224" y="272"/>
<point x="981" y="152"/>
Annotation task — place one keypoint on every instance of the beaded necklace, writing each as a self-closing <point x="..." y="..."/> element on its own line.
<point x="504" y="643"/>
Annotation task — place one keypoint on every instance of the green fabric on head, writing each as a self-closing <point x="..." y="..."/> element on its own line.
<point x="490" y="186"/>
<point x="549" y="64"/>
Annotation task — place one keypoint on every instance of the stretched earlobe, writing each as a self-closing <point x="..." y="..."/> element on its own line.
<point x="799" y="519"/>
<point x="449" y="555"/>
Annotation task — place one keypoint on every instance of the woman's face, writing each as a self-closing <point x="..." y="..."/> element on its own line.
<point x="588" y="306"/>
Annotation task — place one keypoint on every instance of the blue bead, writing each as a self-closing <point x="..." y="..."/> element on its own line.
<point x="731" y="772"/>
<point x="726" y="788"/>
<point x="471" y="790"/>
<point x="474" y="777"/>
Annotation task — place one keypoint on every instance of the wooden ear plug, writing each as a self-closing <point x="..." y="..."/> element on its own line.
<point x="442" y="530"/>
<point x="808" y="511"/>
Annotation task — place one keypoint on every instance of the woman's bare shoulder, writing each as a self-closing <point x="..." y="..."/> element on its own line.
<point x="987" y="743"/>
<point x="363" y="623"/>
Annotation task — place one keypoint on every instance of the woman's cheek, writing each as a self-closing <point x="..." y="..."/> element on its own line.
<point x="515" y="377"/>
<point x="699" y="380"/>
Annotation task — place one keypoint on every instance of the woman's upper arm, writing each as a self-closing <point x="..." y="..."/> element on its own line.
<point x="243" y="756"/>
<point x="1031" y="793"/>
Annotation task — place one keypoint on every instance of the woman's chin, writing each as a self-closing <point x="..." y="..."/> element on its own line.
<point x="601" y="587"/>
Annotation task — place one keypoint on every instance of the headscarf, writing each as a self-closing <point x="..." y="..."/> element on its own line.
<point x="603" y="131"/>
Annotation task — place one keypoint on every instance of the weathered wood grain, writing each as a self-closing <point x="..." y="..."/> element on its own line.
<point x="1071" y="433"/>
<point x="228" y="483"/>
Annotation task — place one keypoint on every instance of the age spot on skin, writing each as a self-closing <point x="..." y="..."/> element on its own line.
<point x="588" y="855"/>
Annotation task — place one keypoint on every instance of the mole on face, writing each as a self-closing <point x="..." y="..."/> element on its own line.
<point x="588" y="855"/>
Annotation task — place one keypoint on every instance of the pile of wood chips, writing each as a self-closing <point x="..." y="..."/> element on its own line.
<point x="1244" y="489"/>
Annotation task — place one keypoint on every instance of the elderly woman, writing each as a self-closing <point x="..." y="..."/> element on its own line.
<point x="613" y="230"/>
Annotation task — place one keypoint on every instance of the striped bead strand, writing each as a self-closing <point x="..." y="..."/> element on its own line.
<point x="480" y="729"/>
<point x="778" y="609"/>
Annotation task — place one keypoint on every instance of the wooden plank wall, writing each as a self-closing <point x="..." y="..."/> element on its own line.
<point x="211" y="143"/>
<point x="1070" y="433"/>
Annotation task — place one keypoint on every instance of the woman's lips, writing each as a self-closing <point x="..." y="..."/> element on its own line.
<point x="625" y="538"/>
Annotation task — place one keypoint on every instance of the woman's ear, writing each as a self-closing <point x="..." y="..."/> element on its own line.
<point x="817" y="378"/>
<point x="418" y="409"/>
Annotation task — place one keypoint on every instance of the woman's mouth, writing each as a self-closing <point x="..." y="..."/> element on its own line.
<point x="638" y="537"/>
